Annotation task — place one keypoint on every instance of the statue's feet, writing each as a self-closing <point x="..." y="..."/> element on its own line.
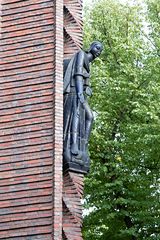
<point x="74" y="149"/>
<point x="86" y="157"/>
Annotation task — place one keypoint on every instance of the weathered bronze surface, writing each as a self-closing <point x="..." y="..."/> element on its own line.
<point x="78" y="116"/>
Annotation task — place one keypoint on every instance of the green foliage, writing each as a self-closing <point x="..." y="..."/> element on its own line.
<point x="122" y="187"/>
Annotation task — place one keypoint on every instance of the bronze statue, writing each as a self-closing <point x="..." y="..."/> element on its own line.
<point x="78" y="116"/>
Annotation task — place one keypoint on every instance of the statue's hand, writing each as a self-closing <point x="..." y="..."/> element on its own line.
<point x="81" y="97"/>
<point x="88" y="91"/>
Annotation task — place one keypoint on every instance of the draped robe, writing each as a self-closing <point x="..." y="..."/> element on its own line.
<point x="72" y="103"/>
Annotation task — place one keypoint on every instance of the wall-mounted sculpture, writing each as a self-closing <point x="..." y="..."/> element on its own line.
<point x="78" y="116"/>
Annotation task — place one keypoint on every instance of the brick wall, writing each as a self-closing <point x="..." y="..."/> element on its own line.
<point x="72" y="181"/>
<point x="58" y="121"/>
<point x="26" y="119"/>
<point x="72" y="27"/>
<point x="31" y="113"/>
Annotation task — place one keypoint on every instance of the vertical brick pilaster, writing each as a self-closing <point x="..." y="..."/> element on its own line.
<point x="0" y="16"/>
<point x="58" y="121"/>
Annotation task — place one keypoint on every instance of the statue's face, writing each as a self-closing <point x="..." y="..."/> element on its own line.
<point x="96" y="49"/>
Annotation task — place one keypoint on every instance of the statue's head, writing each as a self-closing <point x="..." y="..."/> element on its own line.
<point x="96" y="49"/>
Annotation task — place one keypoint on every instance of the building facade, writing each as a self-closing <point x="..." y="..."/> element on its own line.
<point x="36" y="200"/>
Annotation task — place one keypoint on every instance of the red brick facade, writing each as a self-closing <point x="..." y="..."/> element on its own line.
<point x="72" y="26"/>
<point x="72" y="206"/>
<point x="31" y="113"/>
<point x="26" y="119"/>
